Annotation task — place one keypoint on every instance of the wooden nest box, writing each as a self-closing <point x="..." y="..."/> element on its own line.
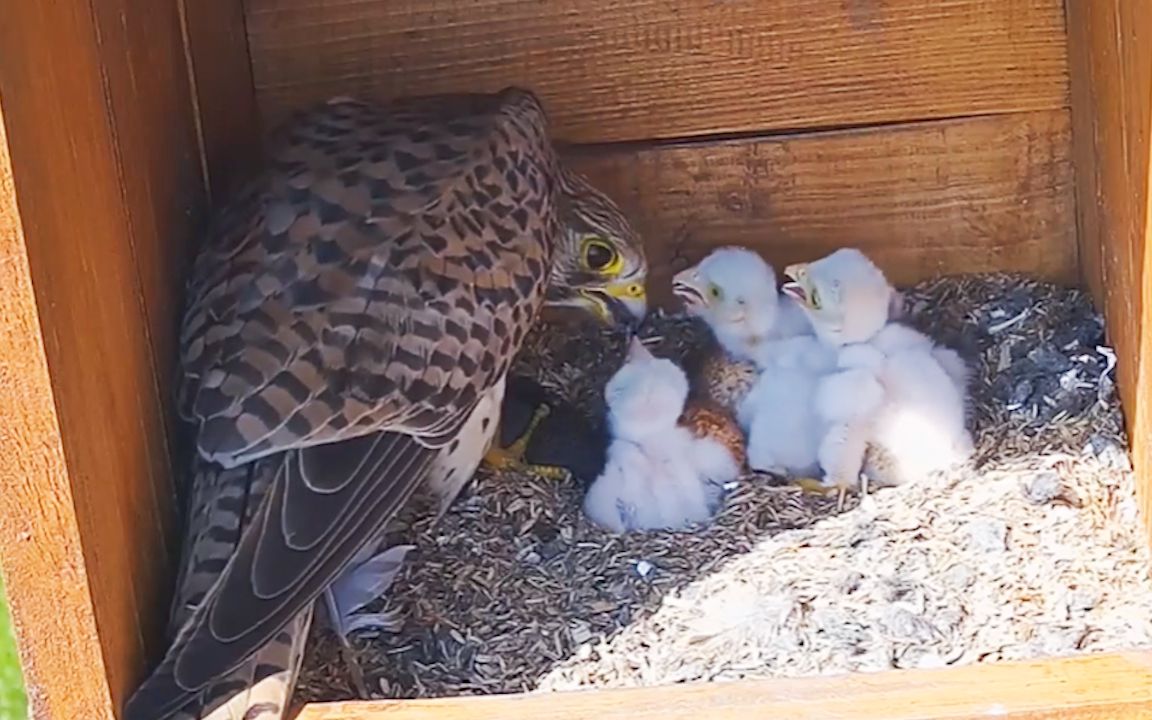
<point x="940" y="136"/>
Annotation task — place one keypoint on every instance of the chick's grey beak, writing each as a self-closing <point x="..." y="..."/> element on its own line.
<point x="797" y="289"/>
<point x="686" y="288"/>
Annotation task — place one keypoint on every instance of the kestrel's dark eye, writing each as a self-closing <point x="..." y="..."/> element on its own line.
<point x="599" y="256"/>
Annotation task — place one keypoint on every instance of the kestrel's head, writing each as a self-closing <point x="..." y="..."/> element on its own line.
<point x="599" y="264"/>
<point x="734" y="291"/>
<point x="846" y="297"/>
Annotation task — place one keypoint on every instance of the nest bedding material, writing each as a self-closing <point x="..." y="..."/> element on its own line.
<point x="1033" y="550"/>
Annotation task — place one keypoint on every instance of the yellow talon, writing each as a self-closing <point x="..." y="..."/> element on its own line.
<point x="548" y="472"/>
<point x="512" y="457"/>
<point x="501" y="459"/>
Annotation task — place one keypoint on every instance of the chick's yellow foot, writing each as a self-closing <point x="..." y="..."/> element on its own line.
<point x="512" y="457"/>
<point x="812" y="485"/>
<point x="820" y="487"/>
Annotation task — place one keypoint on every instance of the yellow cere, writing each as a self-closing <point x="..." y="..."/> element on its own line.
<point x="627" y="290"/>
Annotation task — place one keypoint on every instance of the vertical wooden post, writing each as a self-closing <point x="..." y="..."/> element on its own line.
<point x="41" y="547"/>
<point x="222" y="90"/>
<point x="1110" y="51"/>
<point x="101" y="191"/>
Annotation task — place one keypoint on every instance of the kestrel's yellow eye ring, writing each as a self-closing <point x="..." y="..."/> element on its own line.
<point x="715" y="292"/>
<point x="814" y="299"/>
<point x="599" y="256"/>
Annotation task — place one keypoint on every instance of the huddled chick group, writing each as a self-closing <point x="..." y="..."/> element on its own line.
<point x="817" y="381"/>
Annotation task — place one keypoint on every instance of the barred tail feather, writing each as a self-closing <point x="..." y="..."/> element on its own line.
<point x="222" y="503"/>
<point x="261" y="688"/>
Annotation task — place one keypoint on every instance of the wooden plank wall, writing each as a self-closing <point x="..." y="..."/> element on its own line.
<point x="923" y="198"/>
<point x="1110" y="49"/>
<point x="932" y="133"/>
<point x="101" y="189"/>
<point x="641" y="69"/>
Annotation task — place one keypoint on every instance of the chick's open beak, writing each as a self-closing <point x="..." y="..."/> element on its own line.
<point x="686" y="287"/>
<point x="797" y="289"/>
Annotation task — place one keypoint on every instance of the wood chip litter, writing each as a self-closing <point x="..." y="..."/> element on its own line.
<point x="1033" y="550"/>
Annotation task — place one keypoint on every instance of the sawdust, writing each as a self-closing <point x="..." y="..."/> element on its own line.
<point x="1034" y="550"/>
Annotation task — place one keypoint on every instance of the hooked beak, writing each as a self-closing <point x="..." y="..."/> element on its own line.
<point x="686" y="288"/>
<point x="623" y="303"/>
<point x="797" y="289"/>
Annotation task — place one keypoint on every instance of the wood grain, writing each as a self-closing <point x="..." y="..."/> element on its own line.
<point x="1095" y="687"/>
<point x="640" y="69"/>
<point x="41" y="551"/>
<point x="150" y="117"/>
<point x="223" y="92"/>
<point x="972" y="195"/>
<point x="107" y="185"/>
<point x="1110" y="45"/>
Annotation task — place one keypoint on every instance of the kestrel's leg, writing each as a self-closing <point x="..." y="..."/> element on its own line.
<point x="370" y="575"/>
<point x="347" y="652"/>
<point x="512" y="456"/>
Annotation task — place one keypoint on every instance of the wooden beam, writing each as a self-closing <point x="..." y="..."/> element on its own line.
<point x="1110" y="45"/>
<point x="970" y="195"/>
<point x="41" y="551"/>
<point x="642" y="69"/>
<point x="152" y="130"/>
<point x="1090" y="687"/>
<point x="223" y="91"/>
<point x="104" y="192"/>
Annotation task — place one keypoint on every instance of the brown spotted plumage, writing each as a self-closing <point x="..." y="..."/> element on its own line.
<point x="717" y="378"/>
<point x="706" y="420"/>
<point x="349" y="325"/>
<point x="723" y="380"/>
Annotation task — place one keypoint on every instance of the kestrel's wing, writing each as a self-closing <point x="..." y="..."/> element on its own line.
<point x="225" y="501"/>
<point x="344" y="325"/>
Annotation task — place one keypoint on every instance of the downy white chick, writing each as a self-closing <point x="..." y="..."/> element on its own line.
<point x="896" y="406"/>
<point x="666" y="468"/>
<point x="734" y="291"/>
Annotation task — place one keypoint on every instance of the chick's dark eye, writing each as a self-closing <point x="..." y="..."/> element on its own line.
<point x="599" y="256"/>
